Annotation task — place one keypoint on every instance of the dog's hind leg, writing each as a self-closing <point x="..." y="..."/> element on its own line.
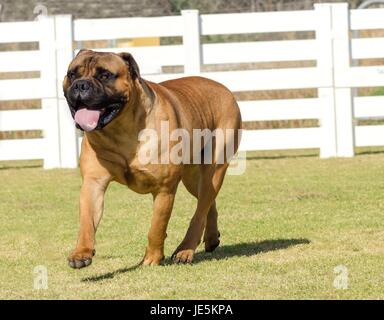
<point x="190" y="180"/>
<point x="211" y="233"/>
<point x="211" y="179"/>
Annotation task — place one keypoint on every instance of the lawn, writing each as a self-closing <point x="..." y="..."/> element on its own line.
<point x="285" y="225"/>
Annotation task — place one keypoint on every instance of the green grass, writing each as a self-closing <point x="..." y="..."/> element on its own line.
<point x="285" y="225"/>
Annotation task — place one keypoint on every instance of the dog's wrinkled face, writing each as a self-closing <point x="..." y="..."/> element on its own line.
<point x="98" y="86"/>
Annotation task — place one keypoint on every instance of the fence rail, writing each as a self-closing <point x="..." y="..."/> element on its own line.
<point x="333" y="75"/>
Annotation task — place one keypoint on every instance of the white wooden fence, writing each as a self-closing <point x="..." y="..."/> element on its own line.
<point x="333" y="76"/>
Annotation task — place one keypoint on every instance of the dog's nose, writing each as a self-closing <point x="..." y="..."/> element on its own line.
<point x="82" y="85"/>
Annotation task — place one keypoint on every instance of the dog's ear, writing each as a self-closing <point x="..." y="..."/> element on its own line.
<point x="82" y="51"/>
<point x="131" y="64"/>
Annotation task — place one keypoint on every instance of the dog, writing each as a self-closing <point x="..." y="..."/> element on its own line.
<point x="113" y="104"/>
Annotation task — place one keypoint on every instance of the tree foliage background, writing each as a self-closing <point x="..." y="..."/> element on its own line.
<point x="221" y="6"/>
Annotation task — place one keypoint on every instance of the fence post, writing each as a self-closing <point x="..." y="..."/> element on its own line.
<point x="49" y="89"/>
<point x="191" y="42"/>
<point x="343" y="93"/>
<point x="328" y="143"/>
<point x="64" y="55"/>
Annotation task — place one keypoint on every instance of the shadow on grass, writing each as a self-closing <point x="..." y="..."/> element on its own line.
<point x="245" y="249"/>
<point x="222" y="252"/>
<point x="111" y="275"/>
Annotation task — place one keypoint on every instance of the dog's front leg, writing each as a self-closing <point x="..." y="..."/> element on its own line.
<point x="162" y="208"/>
<point x="91" y="211"/>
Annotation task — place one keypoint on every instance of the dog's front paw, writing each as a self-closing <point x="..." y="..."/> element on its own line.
<point x="153" y="258"/>
<point x="81" y="258"/>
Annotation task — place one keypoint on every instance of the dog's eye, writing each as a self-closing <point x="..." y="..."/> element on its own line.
<point x="71" y="75"/>
<point x="105" y="75"/>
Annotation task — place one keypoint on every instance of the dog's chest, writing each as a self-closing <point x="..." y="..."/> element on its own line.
<point x="130" y="172"/>
<point x="140" y="179"/>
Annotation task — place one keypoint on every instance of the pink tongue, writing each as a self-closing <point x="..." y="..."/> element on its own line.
<point x="87" y="119"/>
